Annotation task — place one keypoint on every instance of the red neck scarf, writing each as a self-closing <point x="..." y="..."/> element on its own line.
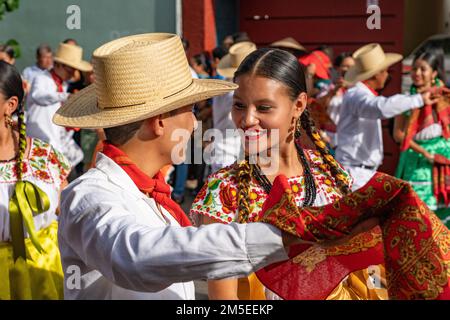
<point x="371" y="90"/>
<point x="156" y="188"/>
<point x="58" y="81"/>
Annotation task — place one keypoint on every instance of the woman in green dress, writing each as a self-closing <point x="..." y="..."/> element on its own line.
<point x="424" y="137"/>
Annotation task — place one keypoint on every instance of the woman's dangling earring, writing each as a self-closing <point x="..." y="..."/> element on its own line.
<point x="8" y="121"/>
<point x="298" y="129"/>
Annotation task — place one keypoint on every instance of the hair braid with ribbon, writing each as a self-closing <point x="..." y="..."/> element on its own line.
<point x="307" y="123"/>
<point x="244" y="178"/>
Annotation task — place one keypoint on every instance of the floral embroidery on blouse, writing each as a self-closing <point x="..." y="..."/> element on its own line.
<point x="218" y="197"/>
<point x="45" y="163"/>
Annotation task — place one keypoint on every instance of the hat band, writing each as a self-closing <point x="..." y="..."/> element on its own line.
<point x="173" y="94"/>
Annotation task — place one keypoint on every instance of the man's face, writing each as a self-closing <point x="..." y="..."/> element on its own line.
<point x="45" y="60"/>
<point x="179" y="125"/>
<point x="382" y="78"/>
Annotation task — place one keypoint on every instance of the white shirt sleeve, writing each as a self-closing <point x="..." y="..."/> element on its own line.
<point x="134" y="256"/>
<point x="43" y="94"/>
<point x="372" y="107"/>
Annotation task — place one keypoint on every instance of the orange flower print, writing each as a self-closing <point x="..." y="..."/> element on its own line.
<point x="38" y="152"/>
<point x="43" y="175"/>
<point x="228" y="197"/>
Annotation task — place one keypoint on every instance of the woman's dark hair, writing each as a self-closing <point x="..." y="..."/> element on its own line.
<point x="11" y="86"/>
<point x="284" y="67"/>
<point x="10" y="82"/>
<point x="276" y="64"/>
<point x="202" y="59"/>
<point x="341" y="57"/>
<point x="219" y="52"/>
<point x="8" y="50"/>
<point x="434" y="56"/>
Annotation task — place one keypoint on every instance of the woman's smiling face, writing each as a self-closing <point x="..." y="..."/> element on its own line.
<point x="261" y="106"/>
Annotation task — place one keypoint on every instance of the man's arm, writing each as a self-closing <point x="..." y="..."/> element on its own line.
<point x="143" y="258"/>
<point x="370" y="107"/>
<point x="41" y="94"/>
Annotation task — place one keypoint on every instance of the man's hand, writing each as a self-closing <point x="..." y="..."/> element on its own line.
<point x="428" y="99"/>
<point x="367" y="225"/>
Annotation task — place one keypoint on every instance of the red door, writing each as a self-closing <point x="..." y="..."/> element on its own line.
<point x="339" y="24"/>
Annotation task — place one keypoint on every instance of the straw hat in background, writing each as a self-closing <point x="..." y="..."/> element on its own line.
<point x="72" y="56"/>
<point x="136" y="78"/>
<point x="370" y="60"/>
<point x="288" y="43"/>
<point x="238" y="52"/>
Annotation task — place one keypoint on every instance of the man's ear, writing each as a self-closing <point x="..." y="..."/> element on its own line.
<point x="155" y="125"/>
<point x="300" y="104"/>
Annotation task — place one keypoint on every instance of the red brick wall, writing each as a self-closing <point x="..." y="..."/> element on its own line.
<point x="199" y="25"/>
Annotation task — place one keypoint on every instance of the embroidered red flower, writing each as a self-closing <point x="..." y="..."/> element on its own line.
<point x="53" y="158"/>
<point x="228" y="198"/>
<point x="38" y="152"/>
<point x="43" y="175"/>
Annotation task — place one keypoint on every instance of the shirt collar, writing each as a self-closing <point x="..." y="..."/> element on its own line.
<point x="376" y="94"/>
<point x="117" y="175"/>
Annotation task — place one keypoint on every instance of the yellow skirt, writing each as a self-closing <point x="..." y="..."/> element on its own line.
<point x="354" y="287"/>
<point x="40" y="277"/>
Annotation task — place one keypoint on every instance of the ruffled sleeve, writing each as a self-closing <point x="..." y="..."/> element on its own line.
<point x="218" y="197"/>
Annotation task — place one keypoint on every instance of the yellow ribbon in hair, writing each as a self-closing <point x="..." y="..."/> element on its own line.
<point x="27" y="201"/>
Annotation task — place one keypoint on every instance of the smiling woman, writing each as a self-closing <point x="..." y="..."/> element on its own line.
<point x="270" y="106"/>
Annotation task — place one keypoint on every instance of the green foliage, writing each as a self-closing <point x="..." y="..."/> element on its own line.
<point x="8" y="6"/>
<point x="15" y="45"/>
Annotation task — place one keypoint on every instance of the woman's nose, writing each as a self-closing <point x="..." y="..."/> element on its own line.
<point x="250" y="118"/>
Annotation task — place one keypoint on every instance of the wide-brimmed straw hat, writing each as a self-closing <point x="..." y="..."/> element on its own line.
<point x="229" y="63"/>
<point x="72" y="56"/>
<point x="136" y="78"/>
<point x="289" y="43"/>
<point x="369" y="60"/>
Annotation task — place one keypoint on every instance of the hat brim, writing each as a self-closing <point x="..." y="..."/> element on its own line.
<point x="83" y="66"/>
<point x="287" y="45"/>
<point x="224" y="67"/>
<point x="82" y="111"/>
<point x="354" y="74"/>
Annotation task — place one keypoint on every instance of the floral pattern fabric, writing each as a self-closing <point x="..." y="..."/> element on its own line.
<point x="43" y="166"/>
<point x="218" y="197"/>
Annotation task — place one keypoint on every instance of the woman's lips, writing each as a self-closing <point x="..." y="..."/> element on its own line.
<point x="254" y="135"/>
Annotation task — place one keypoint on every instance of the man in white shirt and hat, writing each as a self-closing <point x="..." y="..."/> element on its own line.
<point x="48" y="91"/>
<point x="360" y="139"/>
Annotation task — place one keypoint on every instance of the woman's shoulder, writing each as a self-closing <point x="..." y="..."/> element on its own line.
<point x="322" y="171"/>
<point x="217" y="198"/>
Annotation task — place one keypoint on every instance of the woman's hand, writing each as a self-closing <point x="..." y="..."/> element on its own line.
<point x="429" y="156"/>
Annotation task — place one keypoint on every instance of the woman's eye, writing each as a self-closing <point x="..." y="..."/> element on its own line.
<point x="264" y="108"/>
<point x="238" y="105"/>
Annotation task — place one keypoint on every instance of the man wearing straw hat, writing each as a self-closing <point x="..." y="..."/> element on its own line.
<point x="48" y="91"/>
<point x="227" y="144"/>
<point x="119" y="231"/>
<point x="360" y="139"/>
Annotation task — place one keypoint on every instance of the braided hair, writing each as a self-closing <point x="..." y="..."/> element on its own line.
<point x="11" y="86"/>
<point x="284" y="67"/>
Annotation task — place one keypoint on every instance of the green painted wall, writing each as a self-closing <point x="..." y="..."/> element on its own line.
<point x="44" y="21"/>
